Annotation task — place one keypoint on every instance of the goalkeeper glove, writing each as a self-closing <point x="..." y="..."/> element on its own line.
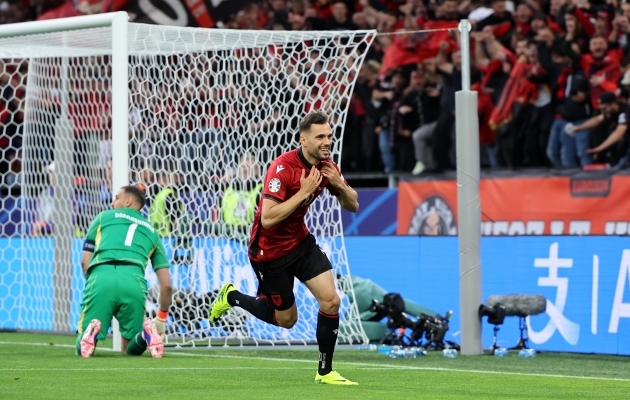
<point x="160" y="321"/>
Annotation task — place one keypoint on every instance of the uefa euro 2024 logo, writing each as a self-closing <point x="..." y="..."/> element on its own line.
<point x="568" y="329"/>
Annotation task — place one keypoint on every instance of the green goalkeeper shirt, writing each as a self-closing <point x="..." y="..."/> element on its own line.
<point x="124" y="235"/>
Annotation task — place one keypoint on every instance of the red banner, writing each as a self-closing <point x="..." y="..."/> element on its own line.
<point x="587" y="203"/>
<point x="196" y="13"/>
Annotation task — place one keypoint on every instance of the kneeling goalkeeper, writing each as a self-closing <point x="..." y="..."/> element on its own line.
<point x="117" y="248"/>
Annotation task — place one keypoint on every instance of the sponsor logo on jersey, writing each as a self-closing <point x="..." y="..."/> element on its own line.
<point x="279" y="168"/>
<point x="274" y="185"/>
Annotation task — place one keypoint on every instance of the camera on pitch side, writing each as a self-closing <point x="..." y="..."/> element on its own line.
<point x="432" y="328"/>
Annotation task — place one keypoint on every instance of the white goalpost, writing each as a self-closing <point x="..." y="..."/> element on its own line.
<point x="104" y="102"/>
<point x="468" y="204"/>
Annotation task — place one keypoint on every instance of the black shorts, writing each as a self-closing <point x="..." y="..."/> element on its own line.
<point x="276" y="277"/>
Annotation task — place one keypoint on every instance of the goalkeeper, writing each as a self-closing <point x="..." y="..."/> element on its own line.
<point x="117" y="248"/>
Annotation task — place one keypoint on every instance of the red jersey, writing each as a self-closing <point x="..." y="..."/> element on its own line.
<point x="281" y="183"/>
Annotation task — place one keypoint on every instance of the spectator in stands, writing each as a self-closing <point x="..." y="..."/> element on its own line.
<point x="512" y="114"/>
<point x="278" y="13"/>
<point x="489" y="91"/>
<point x="12" y="12"/>
<point x="367" y="112"/>
<point x="501" y="22"/>
<point x="573" y="107"/>
<point x="418" y="111"/>
<point x="386" y="96"/>
<point x="540" y="73"/>
<point x="523" y="18"/>
<point x="340" y="20"/>
<point x="575" y="33"/>
<point x="477" y="11"/>
<point x="450" y="68"/>
<point x="602" y="68"/>
<point x="614" y="116"/>
<point x="622" y="23"/>
<point x="523" y="88"/>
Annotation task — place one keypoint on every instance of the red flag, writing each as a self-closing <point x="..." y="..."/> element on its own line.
<point x="420" y="46"/>
<point x="499" y="30"/>
<point x="484" y="109"/>
<point x="400" y="52"/>
<point x="428" y="43"/>
<point x="517" y="89"/>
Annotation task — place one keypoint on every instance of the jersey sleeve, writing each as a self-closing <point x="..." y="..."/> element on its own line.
<point x="90" y="238"/>
<point x="158" y="256"/>
<point x="277" y="181"/>
<point x="330" y="187"/>
<point x="622" y="119"/>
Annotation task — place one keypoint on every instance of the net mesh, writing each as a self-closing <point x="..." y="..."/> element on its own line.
<point x="209" y="110"/>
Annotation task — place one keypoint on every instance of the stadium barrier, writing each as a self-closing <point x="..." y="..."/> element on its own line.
<point x="585" y="280"/>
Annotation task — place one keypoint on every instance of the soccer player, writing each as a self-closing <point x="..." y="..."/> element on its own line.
<point x="281" y="247"/>
<point x="117" y="248"/>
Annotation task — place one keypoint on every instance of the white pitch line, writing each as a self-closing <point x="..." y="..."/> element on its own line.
<point x="360" y="365"/>
<point x="68" y="346"/>
<point x="151" y="369"/>
<point x="409" y="367"/>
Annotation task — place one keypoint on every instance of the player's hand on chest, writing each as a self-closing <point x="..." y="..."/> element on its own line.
<point x="297" y="184"/>
<point x="316" y="191"/>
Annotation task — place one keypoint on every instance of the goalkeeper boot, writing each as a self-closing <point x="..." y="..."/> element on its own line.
<point x="221" y="305"/>
<point x="89" y="338"/>
<point x="333" y="378"/>
<point x="151" y="335"/>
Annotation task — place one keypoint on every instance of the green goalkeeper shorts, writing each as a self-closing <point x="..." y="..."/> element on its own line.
<point x="114" y="291"/>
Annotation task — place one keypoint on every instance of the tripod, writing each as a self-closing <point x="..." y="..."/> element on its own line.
<point x="522" y="342"/>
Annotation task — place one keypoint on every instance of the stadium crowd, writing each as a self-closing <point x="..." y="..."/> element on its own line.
<point x="541" y="70"/>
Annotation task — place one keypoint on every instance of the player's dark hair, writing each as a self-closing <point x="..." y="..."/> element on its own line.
<point x="137" y="194"/>
<point x="313" y="118"/>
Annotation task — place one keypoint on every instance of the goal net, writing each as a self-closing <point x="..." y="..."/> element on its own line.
<point x="208" y="112"/>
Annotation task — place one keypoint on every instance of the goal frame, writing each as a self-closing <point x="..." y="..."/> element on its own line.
<point x="65" y="31"/>
<point x="118" y="21"/>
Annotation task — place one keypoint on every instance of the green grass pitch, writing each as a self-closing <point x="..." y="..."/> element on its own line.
<point x="37" y="366"/>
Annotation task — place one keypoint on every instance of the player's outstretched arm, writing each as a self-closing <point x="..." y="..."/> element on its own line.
<point x="348" y="197"/>
<point x="166" y="294"/>
<point x="161" y="265"/>
<point x="273" y="213"/>
<point x="166" y="290"/>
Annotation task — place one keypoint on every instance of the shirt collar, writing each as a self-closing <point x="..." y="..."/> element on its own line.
<point x="303" y="159"/>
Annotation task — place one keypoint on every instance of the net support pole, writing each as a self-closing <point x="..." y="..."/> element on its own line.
<point x="62" y="217"/>
<point x="120" y="117"/>
<point x="468" y="204"/>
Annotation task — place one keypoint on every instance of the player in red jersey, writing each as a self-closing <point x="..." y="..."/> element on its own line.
<point x="281" y="248"/>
